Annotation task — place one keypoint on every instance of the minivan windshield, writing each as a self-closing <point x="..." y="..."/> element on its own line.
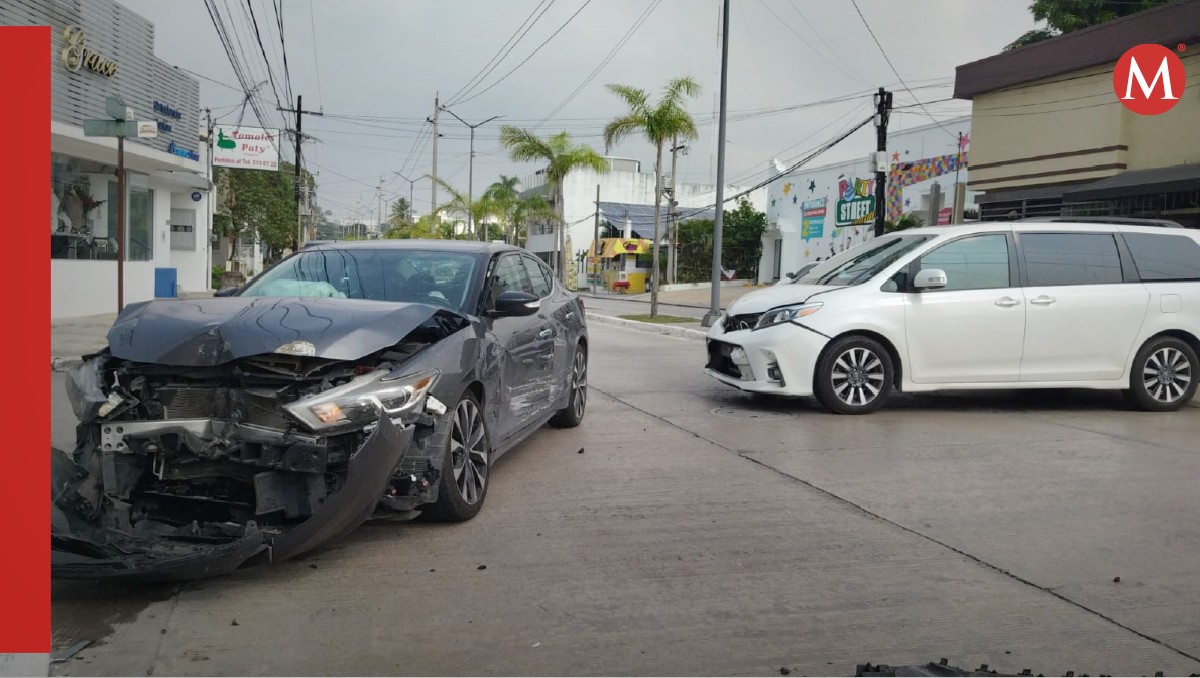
<point x="863" y="261"/>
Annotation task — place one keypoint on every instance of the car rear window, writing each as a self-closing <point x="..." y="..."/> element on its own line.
<point x="1162" y="258"/>
<point x="1053" y="259"/>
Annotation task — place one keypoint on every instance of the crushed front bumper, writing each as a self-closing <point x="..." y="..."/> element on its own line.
<point x="778" y="360"/>
<point x="83" y="550"/>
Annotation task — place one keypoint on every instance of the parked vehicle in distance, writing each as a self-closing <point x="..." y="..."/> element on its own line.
<point x="993" y="305"/>
<point x="350" y="378"/>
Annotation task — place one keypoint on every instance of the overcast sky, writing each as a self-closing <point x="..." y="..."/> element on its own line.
<point x="374" y="66"/>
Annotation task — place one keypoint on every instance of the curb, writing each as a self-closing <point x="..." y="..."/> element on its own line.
<point x="649" y="328"/>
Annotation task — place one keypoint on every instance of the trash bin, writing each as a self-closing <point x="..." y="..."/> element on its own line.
<point x="166" y="283"/>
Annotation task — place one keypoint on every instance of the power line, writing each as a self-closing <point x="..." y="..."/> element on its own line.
<point x="287" y="74"/>
<point x="893" y="67"/>
<point x="266" y="60"/>
<point x="316" y="62"/>
<point x="493" y="63"/>
<point x="531" y="55"/>
<point x="819" y="53"/>
<point x="604" y="62"/>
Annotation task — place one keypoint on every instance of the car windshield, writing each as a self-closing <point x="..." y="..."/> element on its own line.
<point x="421" y="276"/>
<point x="862" y="262"/>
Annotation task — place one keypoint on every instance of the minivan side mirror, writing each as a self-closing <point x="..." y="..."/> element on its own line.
<point x="515" y="304"/>
<point x="930" y="279"/>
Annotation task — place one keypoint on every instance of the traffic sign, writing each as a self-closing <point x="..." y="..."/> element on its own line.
<point x="115" y="108"/>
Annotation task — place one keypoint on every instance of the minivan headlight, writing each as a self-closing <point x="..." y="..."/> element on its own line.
<point x="785" y="313"/>
<point x="364" y="399"/>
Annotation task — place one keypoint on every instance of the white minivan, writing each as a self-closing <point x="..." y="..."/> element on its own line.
<point x="985" y="306"/>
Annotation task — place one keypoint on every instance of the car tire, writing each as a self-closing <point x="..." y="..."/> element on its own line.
<point x="854" y="375"/>
<point x="1164" y="375"/>
<point x="571" y="415"/>
<point x="469" y="453"/>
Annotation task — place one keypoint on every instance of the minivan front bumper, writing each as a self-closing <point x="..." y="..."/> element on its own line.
<point x="779" y="360"/>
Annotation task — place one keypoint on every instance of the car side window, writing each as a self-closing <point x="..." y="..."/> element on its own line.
<point x="1162" y="258"/>
<point x="537" y="277"/>
<point x="508" y="276"/>
<point x="975" y="263"/>
<point x="1053" y="259"/>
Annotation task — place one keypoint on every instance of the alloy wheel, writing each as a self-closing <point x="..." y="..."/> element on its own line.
<point x="579" y="384"/>
<point x="1167" y="375"/>
<point x="858" y="376"/>
<point x="469" y="451"/>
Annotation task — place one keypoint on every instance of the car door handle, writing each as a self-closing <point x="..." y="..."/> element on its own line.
<point x="1042" y="300"/>
<point x="546" y="333"/>
<point x="1007" y="302"/>
<point x="570" y="314"/>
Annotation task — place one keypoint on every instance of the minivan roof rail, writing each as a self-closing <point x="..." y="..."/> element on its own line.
<point x="1120" y="221"/>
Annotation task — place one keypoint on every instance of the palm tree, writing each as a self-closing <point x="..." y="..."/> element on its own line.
<point x="526" y="211"/>
<point x="660" y="122"/>
<point x="401" y="212"/>
<point x="503" y="193"/>
<point x="459" y="203"/>
<point x="560" y="156"/>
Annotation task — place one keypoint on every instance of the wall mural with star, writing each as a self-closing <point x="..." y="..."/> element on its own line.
<point x="822" y="211"/>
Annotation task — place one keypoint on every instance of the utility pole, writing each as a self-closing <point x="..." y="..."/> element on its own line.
<point x="471" y="226"/>
<point x="672" y="215"/>
<point x="300" y="113"/>
<point x="714" y="308"/>
<point x="212" y="192"/>
<point x="433" y="198"/>
<point x="380" y="197"/>
<point x="883" y="110"/>
<point x="596" y="245"/>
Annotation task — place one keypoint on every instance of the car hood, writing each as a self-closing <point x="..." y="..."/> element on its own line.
<point x="772" y="297"/>
<point x="208" y="332"/>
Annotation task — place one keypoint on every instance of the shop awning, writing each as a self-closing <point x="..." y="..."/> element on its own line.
<point x="641" y="217"/>
<point x="613" y="247"/>
<point x="1178" y="178"/>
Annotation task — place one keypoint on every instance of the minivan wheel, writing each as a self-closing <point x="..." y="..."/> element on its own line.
<point x="464" y="481"/>
<point x="854" y="375"/>
<point x="1163" y="377"/>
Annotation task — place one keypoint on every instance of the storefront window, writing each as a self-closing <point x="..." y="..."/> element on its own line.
<point x="83" y="211"/>
<point x="140" y="238"/>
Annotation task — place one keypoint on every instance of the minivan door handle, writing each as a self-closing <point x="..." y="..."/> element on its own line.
<point x="1042" y="300"/>
<point x="1007" y="302"/>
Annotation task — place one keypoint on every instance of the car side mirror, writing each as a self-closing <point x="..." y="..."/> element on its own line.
<point x="930" y="279"/>
<point x="791" y="275"/>
<point x="515" y="304"/>
<point x="227" y="292"/>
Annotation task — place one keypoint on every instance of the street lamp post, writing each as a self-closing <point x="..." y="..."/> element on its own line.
<point x="714" y="310"/>
<point x="471" y="169"/>
<point x="410" y="193"/>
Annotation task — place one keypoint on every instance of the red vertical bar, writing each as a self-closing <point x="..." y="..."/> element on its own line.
<point x="25" y="479"/>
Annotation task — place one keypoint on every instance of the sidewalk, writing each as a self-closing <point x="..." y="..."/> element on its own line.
<point x="698" y="298"/>
<point x="71" y="338"/>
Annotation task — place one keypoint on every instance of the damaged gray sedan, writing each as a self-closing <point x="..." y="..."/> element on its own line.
<point x="349" y="380"/>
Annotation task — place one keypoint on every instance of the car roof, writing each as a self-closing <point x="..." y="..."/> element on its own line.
<point x="466" y="246"/>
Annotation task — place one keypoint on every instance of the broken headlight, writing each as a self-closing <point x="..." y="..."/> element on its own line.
<point x="363" y="400"/>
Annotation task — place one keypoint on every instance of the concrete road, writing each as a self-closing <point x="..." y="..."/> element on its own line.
<point x="685" y="528"/>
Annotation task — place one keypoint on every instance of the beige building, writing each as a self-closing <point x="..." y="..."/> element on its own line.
<point x="1050" y="137"/>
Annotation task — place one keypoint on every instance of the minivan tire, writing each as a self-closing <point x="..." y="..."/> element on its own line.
<point x="854" y="375"/>
<point x="1154" y="375"/>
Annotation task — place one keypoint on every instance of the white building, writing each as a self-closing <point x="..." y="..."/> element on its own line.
<point x="100" y="49"/>
<point x="624" y="183"/>
<point x="815" y="213"/>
